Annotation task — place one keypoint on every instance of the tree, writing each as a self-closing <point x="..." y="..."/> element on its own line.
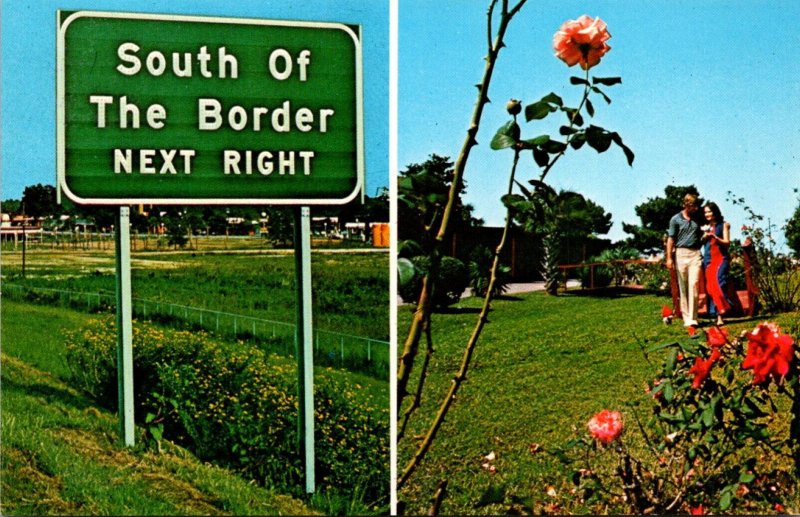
<point x="176" y="229"/>
<point x="553" y="217"/>
<point x="280" y="226"/>
<point x="792" y="231"/>
<point x="39" y="200"/>
<point x="655" y="213"/>
<point x="11" y="206"/>
<point x="423" y="190"/>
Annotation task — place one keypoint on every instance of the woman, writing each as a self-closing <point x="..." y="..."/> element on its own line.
<point x="716" y="262"/>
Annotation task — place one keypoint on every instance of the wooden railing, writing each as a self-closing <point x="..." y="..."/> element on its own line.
<point x="565" y="269"/>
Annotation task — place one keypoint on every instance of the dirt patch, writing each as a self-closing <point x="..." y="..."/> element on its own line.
<point x="78" y="261"/>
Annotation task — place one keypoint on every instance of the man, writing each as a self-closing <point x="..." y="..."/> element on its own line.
<point x="684" y="241"/>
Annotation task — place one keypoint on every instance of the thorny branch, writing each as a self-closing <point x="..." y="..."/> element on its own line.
<point x="423" y="310"/>
<point x="461" y="376"/>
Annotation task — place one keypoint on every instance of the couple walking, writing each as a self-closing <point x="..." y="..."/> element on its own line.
<point x="685" y="239"/>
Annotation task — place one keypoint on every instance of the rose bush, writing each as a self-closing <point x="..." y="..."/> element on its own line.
<point x="718" y="438"/>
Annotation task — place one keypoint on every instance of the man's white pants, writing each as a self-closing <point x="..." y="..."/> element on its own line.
<point x="689" y="265"/>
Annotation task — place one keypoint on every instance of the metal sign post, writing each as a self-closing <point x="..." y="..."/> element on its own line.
<point x="124" y="326"/>
<point x="304" y="342"/>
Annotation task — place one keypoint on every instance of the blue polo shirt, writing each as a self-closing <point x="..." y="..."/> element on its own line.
<point x="685" y="233"/>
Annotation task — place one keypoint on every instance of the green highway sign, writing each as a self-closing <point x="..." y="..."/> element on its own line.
<point x="167" y="109"/>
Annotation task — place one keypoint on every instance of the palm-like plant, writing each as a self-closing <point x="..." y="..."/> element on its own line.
<point x="552" y="218"/>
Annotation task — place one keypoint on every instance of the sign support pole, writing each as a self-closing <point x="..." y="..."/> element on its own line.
<point x="304" y="341"/>
<point x="124" y="327"/>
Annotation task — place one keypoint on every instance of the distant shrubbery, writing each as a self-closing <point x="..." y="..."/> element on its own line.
<point x="450" y="284"/>
<point x="236" y="406"/>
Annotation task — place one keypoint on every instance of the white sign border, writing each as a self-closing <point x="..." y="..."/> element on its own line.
<point x="61" y="117"/>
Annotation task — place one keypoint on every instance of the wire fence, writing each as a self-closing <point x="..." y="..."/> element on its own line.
<point x="366" y="355"/>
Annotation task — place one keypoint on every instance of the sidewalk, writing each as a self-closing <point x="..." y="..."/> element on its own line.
<point x="517" y="288"/>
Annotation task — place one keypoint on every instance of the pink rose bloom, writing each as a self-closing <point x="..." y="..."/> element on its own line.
<point x="582" y="41"/>
<point x="605" y="426"/>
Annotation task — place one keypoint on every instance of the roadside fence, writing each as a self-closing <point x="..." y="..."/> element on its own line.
<point x="366" y="355"/>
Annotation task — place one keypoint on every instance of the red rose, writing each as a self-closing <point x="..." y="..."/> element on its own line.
<point x="716" y="336"/>
<point x="582" y="41"/>
<point x="769" y="353"/>
<point x="702" y="367"/>
<point x="605" y="426"/>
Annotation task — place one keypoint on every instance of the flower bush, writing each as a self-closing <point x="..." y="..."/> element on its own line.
<point x="718" y="438"/>
<point x="776" y="274"/>
<point x="237" y="406"/>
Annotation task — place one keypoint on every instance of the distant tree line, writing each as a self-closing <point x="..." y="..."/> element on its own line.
<point x="179" y="222"/>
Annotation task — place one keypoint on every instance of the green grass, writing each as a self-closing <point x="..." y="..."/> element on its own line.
<point x="61" y="455"/>
<point x="543" y="366"/>
<point x="350" y="290"/>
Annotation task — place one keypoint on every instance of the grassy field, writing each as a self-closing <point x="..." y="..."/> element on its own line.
<point x="350" y="296"/>
<point x="61" y="455"/>
<point x="543" y="367"/>
<point x="351" y="290"/>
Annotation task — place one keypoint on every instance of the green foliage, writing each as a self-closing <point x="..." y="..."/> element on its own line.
<point x="61" y="454"/>
<point x="480" y="264"/>
<point x="39" y="200"/>
<point x="776" y="274"/>
<point x="547" y="150"/>
<point x="176" y="231"/>
<point x="422" y="192"/>
<point x="553" y="217"/>
<point x="281" y="227"/>
<point x="709" y="438"/>
<point x="655" y="278"/>
<point x="236" y="406"/>
<point x="450" y="283"/>
<point x="654" y="214"/>
<point x="792" y="232"/>
<point x="616" y="273"/>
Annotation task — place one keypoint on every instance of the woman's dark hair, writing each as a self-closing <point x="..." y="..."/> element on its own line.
<point x="716" y="211"/>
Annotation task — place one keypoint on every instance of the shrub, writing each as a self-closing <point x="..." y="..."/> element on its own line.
<point x="655" y="277"/>
<point x="776" y="274"/>
<point x="451" y="282"/>
<point x="619" y="274"/>
<point x="480" y="264"/>
<point x="237" y="406"/>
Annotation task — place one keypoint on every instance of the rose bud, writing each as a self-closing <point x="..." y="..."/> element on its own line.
<point x="513" y="107"/>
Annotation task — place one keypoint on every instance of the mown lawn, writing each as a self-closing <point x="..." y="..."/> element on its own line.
<point x="61" y="454"/>
<point x="544" y="365"/>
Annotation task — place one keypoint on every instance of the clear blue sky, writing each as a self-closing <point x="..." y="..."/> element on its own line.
<point x="710" y="96"/>
<point x="28" y="73"/>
